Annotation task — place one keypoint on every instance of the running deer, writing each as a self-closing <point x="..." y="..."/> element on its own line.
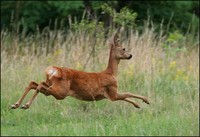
<point x="62" y="82"/>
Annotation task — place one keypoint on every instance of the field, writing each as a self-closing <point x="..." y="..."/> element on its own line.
<point x="168" y="76"/>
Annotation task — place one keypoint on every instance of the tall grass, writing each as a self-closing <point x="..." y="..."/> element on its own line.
<point x="168" y="77"/>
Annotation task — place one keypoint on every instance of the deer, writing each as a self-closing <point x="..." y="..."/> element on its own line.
<point x="87" y="86"/>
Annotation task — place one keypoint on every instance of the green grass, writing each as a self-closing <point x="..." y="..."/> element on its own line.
<point x="67" y="117"/>
<point x="170" y="83"/>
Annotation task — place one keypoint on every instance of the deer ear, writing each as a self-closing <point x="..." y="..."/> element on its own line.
<point x="116" y="39"/>
<point x="110" y="43"/>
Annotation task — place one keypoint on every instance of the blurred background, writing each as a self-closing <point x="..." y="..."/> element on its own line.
<point x="162" y="36"/>
<point x="176" y="15"/>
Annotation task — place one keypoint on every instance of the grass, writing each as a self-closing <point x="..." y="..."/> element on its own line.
<point x="169" y="79"/>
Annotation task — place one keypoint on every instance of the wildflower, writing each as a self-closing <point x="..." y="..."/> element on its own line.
<point x="57" y="52"/>
<point x="179" y="72"/>
<point x="130" y="70"/>
<point x="161" y="70"/>
<point x="185" y="78"/>
<point x="190" y="68"/>
<point x="180" y="75"/>
<point x="79" y="66"/>
<point x="49" y="59"/>
<point x="153" y="60"/>
<point x="172" y="65"/>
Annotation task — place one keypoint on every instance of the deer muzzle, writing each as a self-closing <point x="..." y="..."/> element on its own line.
<point x="130" y="56"/>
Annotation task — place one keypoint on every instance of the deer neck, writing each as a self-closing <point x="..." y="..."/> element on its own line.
<point x="112" y="64"/>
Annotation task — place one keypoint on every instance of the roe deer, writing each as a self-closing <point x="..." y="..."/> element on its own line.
<point x="62" y="82"/>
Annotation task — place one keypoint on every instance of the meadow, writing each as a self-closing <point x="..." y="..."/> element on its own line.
<point x="163" y="68"/>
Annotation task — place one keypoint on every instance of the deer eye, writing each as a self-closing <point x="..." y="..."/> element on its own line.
<point x="123" y="49"/>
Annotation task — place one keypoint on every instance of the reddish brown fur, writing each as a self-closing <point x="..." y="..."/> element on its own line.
<point x="62" y="82"/>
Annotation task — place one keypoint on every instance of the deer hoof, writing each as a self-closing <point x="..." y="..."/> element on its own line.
<point x="25" y="106"/>
<point x="14" y="106"/>
<point x="136" y="105"/>
<point x="145" y="100"/>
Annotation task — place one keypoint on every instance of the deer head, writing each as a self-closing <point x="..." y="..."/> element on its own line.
<point x="118" y="50"/>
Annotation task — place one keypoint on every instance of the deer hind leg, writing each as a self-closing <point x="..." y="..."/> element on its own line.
<point x="46" y="90"/>
<point x="43" y="88"/>
<point x="32" y="85"/>
<point x="27" y="105"/>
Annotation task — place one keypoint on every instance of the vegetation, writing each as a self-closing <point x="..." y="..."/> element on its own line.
<point x="33" y="14"/>
<point x="164" y="67"/>
<point x="169" y="79"/>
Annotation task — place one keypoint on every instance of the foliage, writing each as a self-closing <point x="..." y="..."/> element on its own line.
<point x="177" y="15"/>
<point x="174" y="43"/>
<point x="29" y="14"/>
<point x="124" y="17"/>
<point x="65" y="8"/>
<point x="88" y="26"/>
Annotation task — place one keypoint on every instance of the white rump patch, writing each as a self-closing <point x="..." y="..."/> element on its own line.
<point x="52" y="72"/>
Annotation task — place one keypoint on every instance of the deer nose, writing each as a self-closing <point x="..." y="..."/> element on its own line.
<point x="130" y="56"/>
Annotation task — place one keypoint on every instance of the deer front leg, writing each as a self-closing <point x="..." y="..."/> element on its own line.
<point x="114" y="96"/>
<point x="132" y="102"/>
<point x="144" y="99"/>
<point x="32" y="85"/>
